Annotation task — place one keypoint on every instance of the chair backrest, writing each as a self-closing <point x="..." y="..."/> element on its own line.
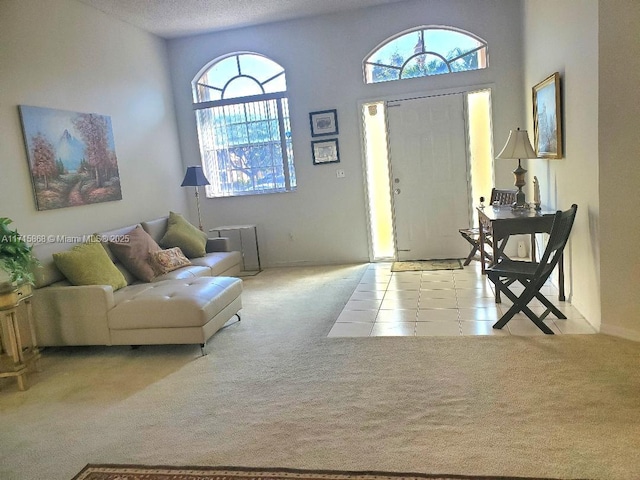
<point x="558" y="237"/>
<point x="504" y="197"/>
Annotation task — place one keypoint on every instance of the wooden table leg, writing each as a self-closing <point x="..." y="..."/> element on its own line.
<point x="533" y="247"/>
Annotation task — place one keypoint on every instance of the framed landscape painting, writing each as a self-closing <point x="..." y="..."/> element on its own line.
<point x="547" y="119"/>
<point x="72" y="158"/>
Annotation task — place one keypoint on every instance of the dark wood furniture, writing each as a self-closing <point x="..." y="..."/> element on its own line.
<point x="533" y="275"/>
<point x="472" y="235"/>
<point x="502" y="222"/>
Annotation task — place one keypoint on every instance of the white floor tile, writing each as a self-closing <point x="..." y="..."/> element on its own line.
<point x="485" y="292"/>
<point x="407" y="275"/>
<point x="441" y="303"/>
<point x="490" y="314"/>
<point x="375" y="295"/>
<point x="396" y="316"/>
<point x="395" y="284"/>
<point x="401" y="329"/>
<point x="399" y="304"/>
<point x="574" y="326"/>
<point x="372" y="285"/>
<point x="438" y="329"/>
<point x="444" y="293"/>
<point x="363" y="305"/>
<point x="437" y="285"/>
<point x="470" y="283"/>
<point x="365" y="316"/>
<point x="402" y="295"/>
<point x="483" y="302"/>
<point x="437" y="303"/>
<point x="481" y="328"/>
<point x="439" y="314"/>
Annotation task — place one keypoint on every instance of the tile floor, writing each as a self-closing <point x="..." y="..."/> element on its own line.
<point x="440" y="303"/>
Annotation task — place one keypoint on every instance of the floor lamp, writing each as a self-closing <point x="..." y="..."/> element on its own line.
<point x="194" y="178"/>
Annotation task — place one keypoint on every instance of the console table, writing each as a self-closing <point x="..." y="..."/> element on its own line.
<point x="18" y="347"/>
<point x="502" y="222"/>
<point x="239" y="228"/>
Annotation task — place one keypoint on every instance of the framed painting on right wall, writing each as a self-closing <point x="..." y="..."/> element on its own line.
<point x="547" y="117"/>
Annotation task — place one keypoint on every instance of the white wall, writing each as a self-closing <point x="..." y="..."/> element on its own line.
<point x="324" y="220"/>
<point x="566" y="41"/>
<point x="63" y="54"/>
<point x="619" y="152"/>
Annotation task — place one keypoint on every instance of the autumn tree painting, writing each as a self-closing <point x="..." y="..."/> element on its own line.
<point x="71" y="156"/>
<point x="44" y="160"/>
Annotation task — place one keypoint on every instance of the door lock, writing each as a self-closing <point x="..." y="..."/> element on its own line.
<point x="397" y="191"/>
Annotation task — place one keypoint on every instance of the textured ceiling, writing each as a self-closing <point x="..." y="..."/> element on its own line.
<point x="178" y="18"/>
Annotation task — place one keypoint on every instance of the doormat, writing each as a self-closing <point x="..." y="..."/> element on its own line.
<point x="427" y="265"/>
<point x="134" y="472"/>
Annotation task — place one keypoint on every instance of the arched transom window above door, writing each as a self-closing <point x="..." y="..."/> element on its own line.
<point x="425" y="51"/>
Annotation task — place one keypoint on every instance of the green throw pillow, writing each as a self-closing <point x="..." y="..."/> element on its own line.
<point x="180" y="233"/>
<point x="89" y="264"/>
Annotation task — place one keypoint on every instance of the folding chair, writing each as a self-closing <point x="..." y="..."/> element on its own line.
<point x="533" y="275"/>
<point x="472" y="235"/>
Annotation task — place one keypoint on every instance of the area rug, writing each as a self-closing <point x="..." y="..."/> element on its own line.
<point x="139" y="472"/>
<point x="427" y="265"/>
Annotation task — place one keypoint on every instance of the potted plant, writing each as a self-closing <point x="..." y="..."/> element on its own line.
<point x="16" y="259"/>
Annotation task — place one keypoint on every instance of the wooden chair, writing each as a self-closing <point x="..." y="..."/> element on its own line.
<point x="472" y="235"/>
<point x="533" y="275"/>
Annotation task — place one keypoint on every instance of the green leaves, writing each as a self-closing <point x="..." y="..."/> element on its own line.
<point x="16" y="257"/>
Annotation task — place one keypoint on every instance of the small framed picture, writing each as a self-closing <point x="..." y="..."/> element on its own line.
<point x="547" y="117"/>
<point x="324" y="123"/>
<point x="325" y="151"/>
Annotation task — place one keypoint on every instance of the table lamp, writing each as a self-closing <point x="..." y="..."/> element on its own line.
<point x="194" y="178"/>
<point x="518" y="147"/>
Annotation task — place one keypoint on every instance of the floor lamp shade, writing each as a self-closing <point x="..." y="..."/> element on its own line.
<point x="194" y="178"/>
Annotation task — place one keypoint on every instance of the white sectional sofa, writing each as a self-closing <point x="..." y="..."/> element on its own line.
<point x="184" y="306"/>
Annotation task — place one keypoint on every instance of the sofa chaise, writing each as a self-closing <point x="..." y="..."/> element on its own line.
<point x="183" y="302"/>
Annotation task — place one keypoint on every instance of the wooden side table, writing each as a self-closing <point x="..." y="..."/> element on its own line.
<point x="18" y="347"/>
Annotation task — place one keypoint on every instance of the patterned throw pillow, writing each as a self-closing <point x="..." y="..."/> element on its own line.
<point x="166" y="261"/>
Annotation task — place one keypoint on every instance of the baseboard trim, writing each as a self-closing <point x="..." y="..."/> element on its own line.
<point x="313" y="263"/>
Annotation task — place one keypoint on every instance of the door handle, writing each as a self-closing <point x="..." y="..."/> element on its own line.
<point x="397" y="191"/>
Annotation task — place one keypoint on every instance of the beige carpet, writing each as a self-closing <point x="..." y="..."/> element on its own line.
<point x="274" y="391"/>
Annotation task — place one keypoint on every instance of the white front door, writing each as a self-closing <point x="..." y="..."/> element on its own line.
<point x="427" y="144"/>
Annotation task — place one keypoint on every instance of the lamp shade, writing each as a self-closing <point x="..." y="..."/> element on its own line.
<point x="517" y="146"/>
<point x="194" y="177"/>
